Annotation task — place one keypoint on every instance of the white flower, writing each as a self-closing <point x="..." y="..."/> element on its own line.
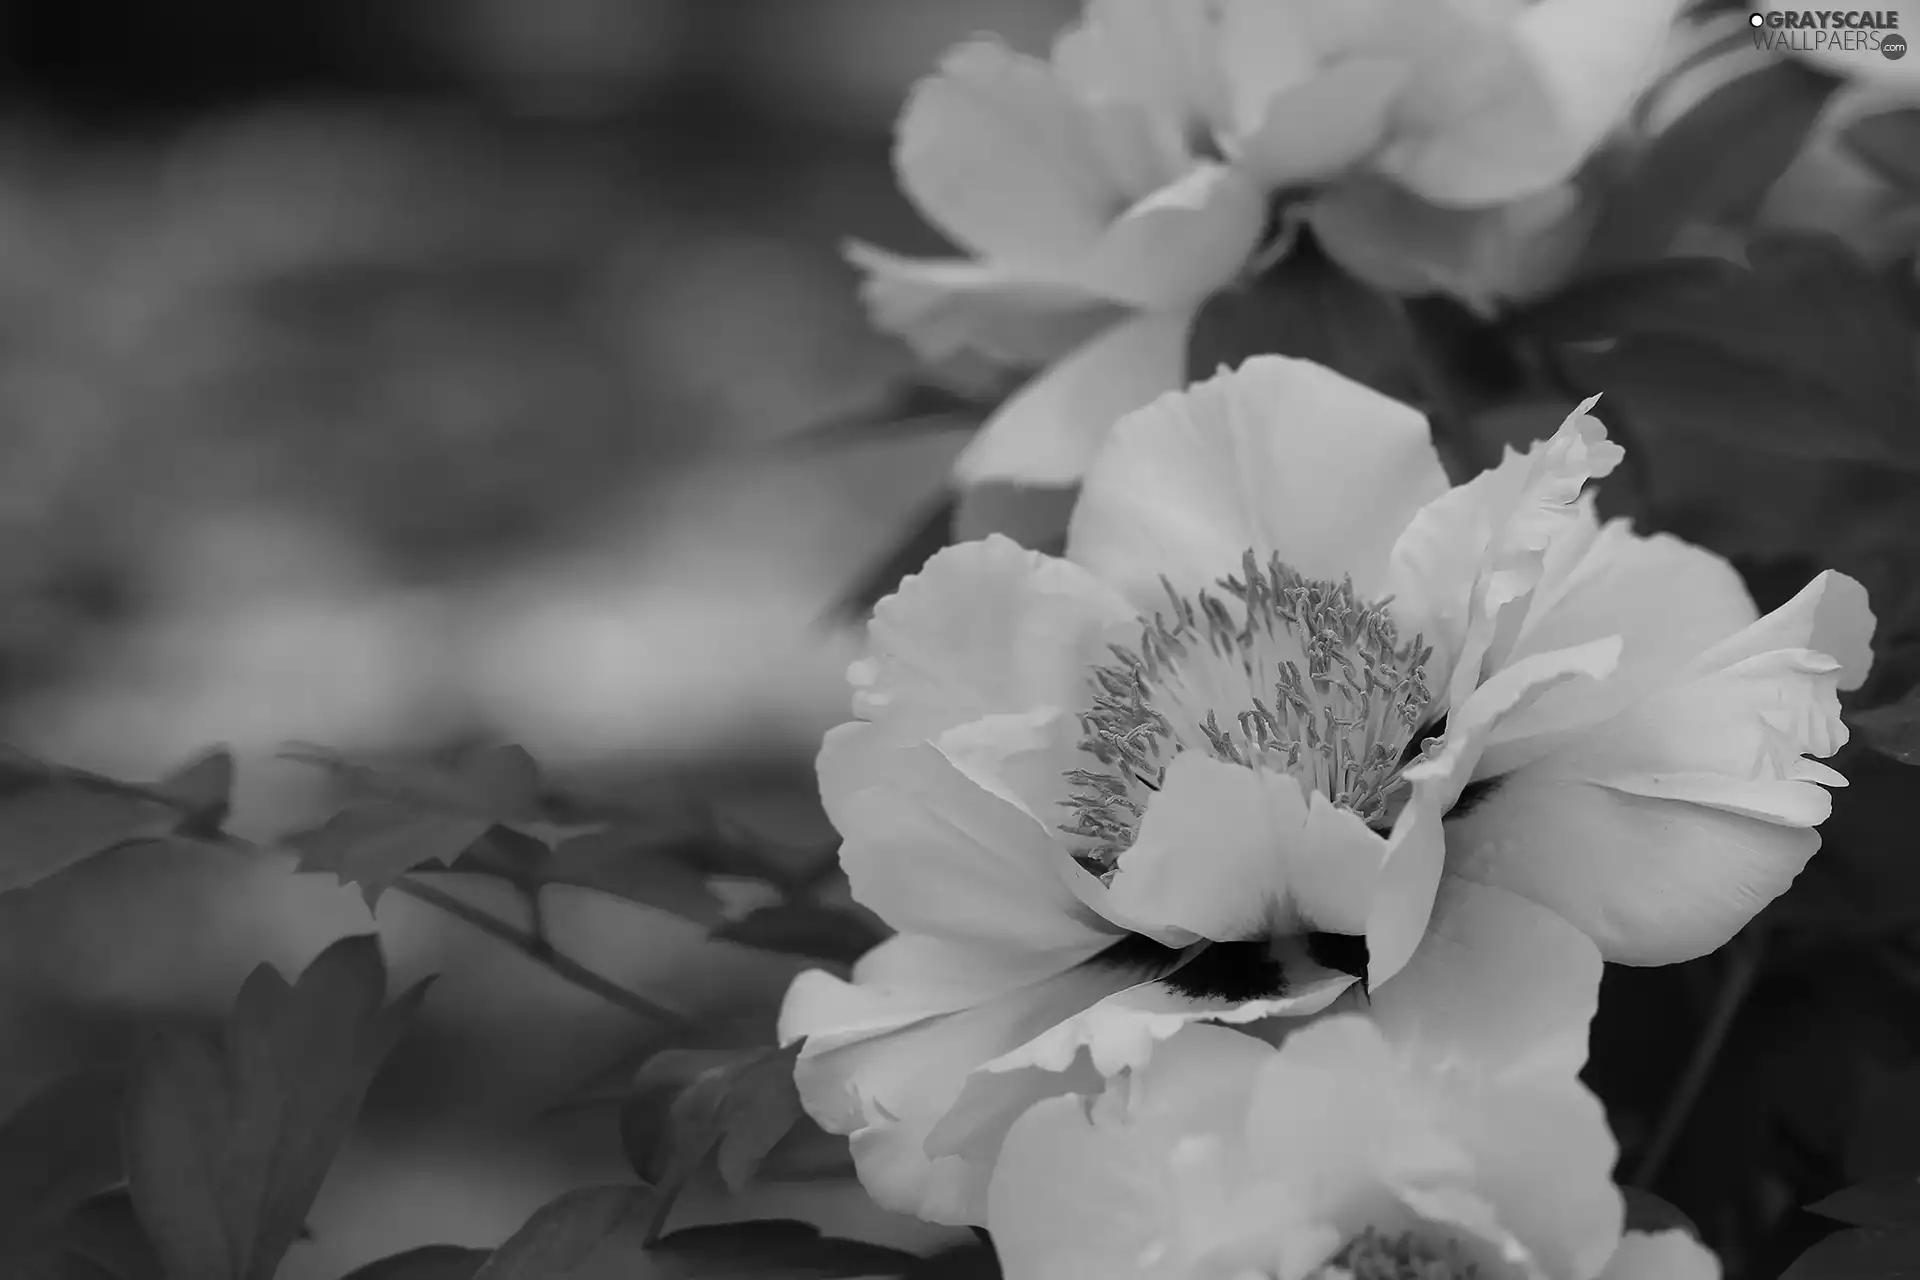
<point x="1102" y="195"/>
<point x="1239" y="809"/>
<point x="1098" y="214"/>
<point x="1444" y="1134"/>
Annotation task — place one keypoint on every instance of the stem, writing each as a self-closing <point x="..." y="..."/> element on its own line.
<point x="1743" y="966"/>
<point x="542" y="952"/>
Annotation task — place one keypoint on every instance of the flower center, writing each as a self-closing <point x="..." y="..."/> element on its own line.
<point x="1296" y="675"/>
<point x="1406" y="1256"/>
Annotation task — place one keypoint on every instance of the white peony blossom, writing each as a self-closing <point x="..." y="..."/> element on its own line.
<point x="1443" y="1135"/>
<point x="1100" y="196"/>
<point x="1212" y="763"/>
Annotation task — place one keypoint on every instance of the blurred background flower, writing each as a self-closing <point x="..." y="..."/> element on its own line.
<point x="403" y="375"/>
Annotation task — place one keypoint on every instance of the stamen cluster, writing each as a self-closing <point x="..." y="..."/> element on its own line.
<point x="1314" y="681"/>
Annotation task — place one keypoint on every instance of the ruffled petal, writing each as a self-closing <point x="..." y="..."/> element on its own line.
<point x="1050" y="430"/>
<point x="1661" y="1255"/>
<point x="1230" y="853"/>
<point x="1280" y="456"/>
<point x="945" y="307"/>
<point x="985" y="628"/>
<point x="872" y="1071"/>
<point x="996" y="152"/>
<point x="1664" y="830"/>
<point x="1667" y="600"/>
<point x="1179" y="244"/>
<point x="930" y="850"/>
<point x="1468" y="557"/>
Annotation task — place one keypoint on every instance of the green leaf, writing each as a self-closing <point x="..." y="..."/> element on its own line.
<point x="1648" y="1212"/>
<point x="375" y="842"/>
<point x="1611" y="303"/>
<point x="100" y="1240"/>
<point x="497" y="783"/>
<point x="635" y="865"/>
<point x="61" y="1148"/>
<point x="1864" y="1254"/>
<point x="1890" y="144"/>
<point x="974" y="1260"/>
<point x="1713" y="166"/>
<point x="228" y="1143"/>
<point x="805" y="929"/>
<point x="1306" y="306"/>
<point x="1892" y="730"/>
<point x="204" y="792"/>
<point x="894" y="410"/>
<point x="594" y="1227"/>
<point x="933" y="531"/>
<point x="690" y="1104"/>
<point x="1806" y="355"/>
<point x="428" y="1262"/>
<point x="773" y="1249"/>
<point x="1888" y="1203"/>
<point x="52" y="818"/>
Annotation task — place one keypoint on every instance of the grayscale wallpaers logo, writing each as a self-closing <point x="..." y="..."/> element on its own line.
<point x="1814" y="30"/>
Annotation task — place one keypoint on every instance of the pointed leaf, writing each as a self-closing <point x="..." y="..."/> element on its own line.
<point x="1892" y="730"/>
<point x="375" y="842"/>
<point x="631" y="864"/>
<point x="204" y="791"/>
<point x="428" y="1262"/>
<point x="904" y="405"/>
<point x="1890" y="1203"/>
<point x="1863" y="1254"/>
<point x="61" y="1148"/>
<point x="594" y="1227"/>
<point x="1713" y="166"/>
<point x="46" y="827"/>
<point x="1306" y="306"/>
<point x="100" y="1240"/>
<point x="805" y="929"/>
<point x="1890" y="143"/>
<point x="228" y="1143"/>
<point x="734" y="1106"/>
<point x="497" y="783"/>
<point x="776" y="1249"/>
<point x="933" y="531"/>
<point x="1807" y="355"/>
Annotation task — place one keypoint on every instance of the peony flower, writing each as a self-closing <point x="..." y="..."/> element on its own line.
<point x="1213" y="763"/>
<point x="1099" y="197"/>
<point x="1097" y="214"/>
<point x="1443" y="1134"/>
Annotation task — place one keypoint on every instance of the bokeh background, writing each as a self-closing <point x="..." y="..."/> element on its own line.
<point x="391" y="375"/>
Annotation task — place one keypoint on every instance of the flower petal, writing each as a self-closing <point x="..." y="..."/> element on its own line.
<point x="995" y="152"/>
<point x="1232" y="853"/>
<point x="1096" y="1192"/>
<point x="1525" y="107"/>
<point x="1499" y="981"/>
<point x="1050" y="430"/>
<point x="1661" y="1255"/>
<point x="932" y="851"/>
<point x="1180" y="243"/>
<point x="1313" y="131"/>
<point x="1467" y="557"/>
<point x="944" y="307"/>
<point x="887" y="1090"/>
<point x="986" y="627"/>
<point x="1280" y="455"/>
<point x="1146" y="51"/>
<point x="1667" y="600"/>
